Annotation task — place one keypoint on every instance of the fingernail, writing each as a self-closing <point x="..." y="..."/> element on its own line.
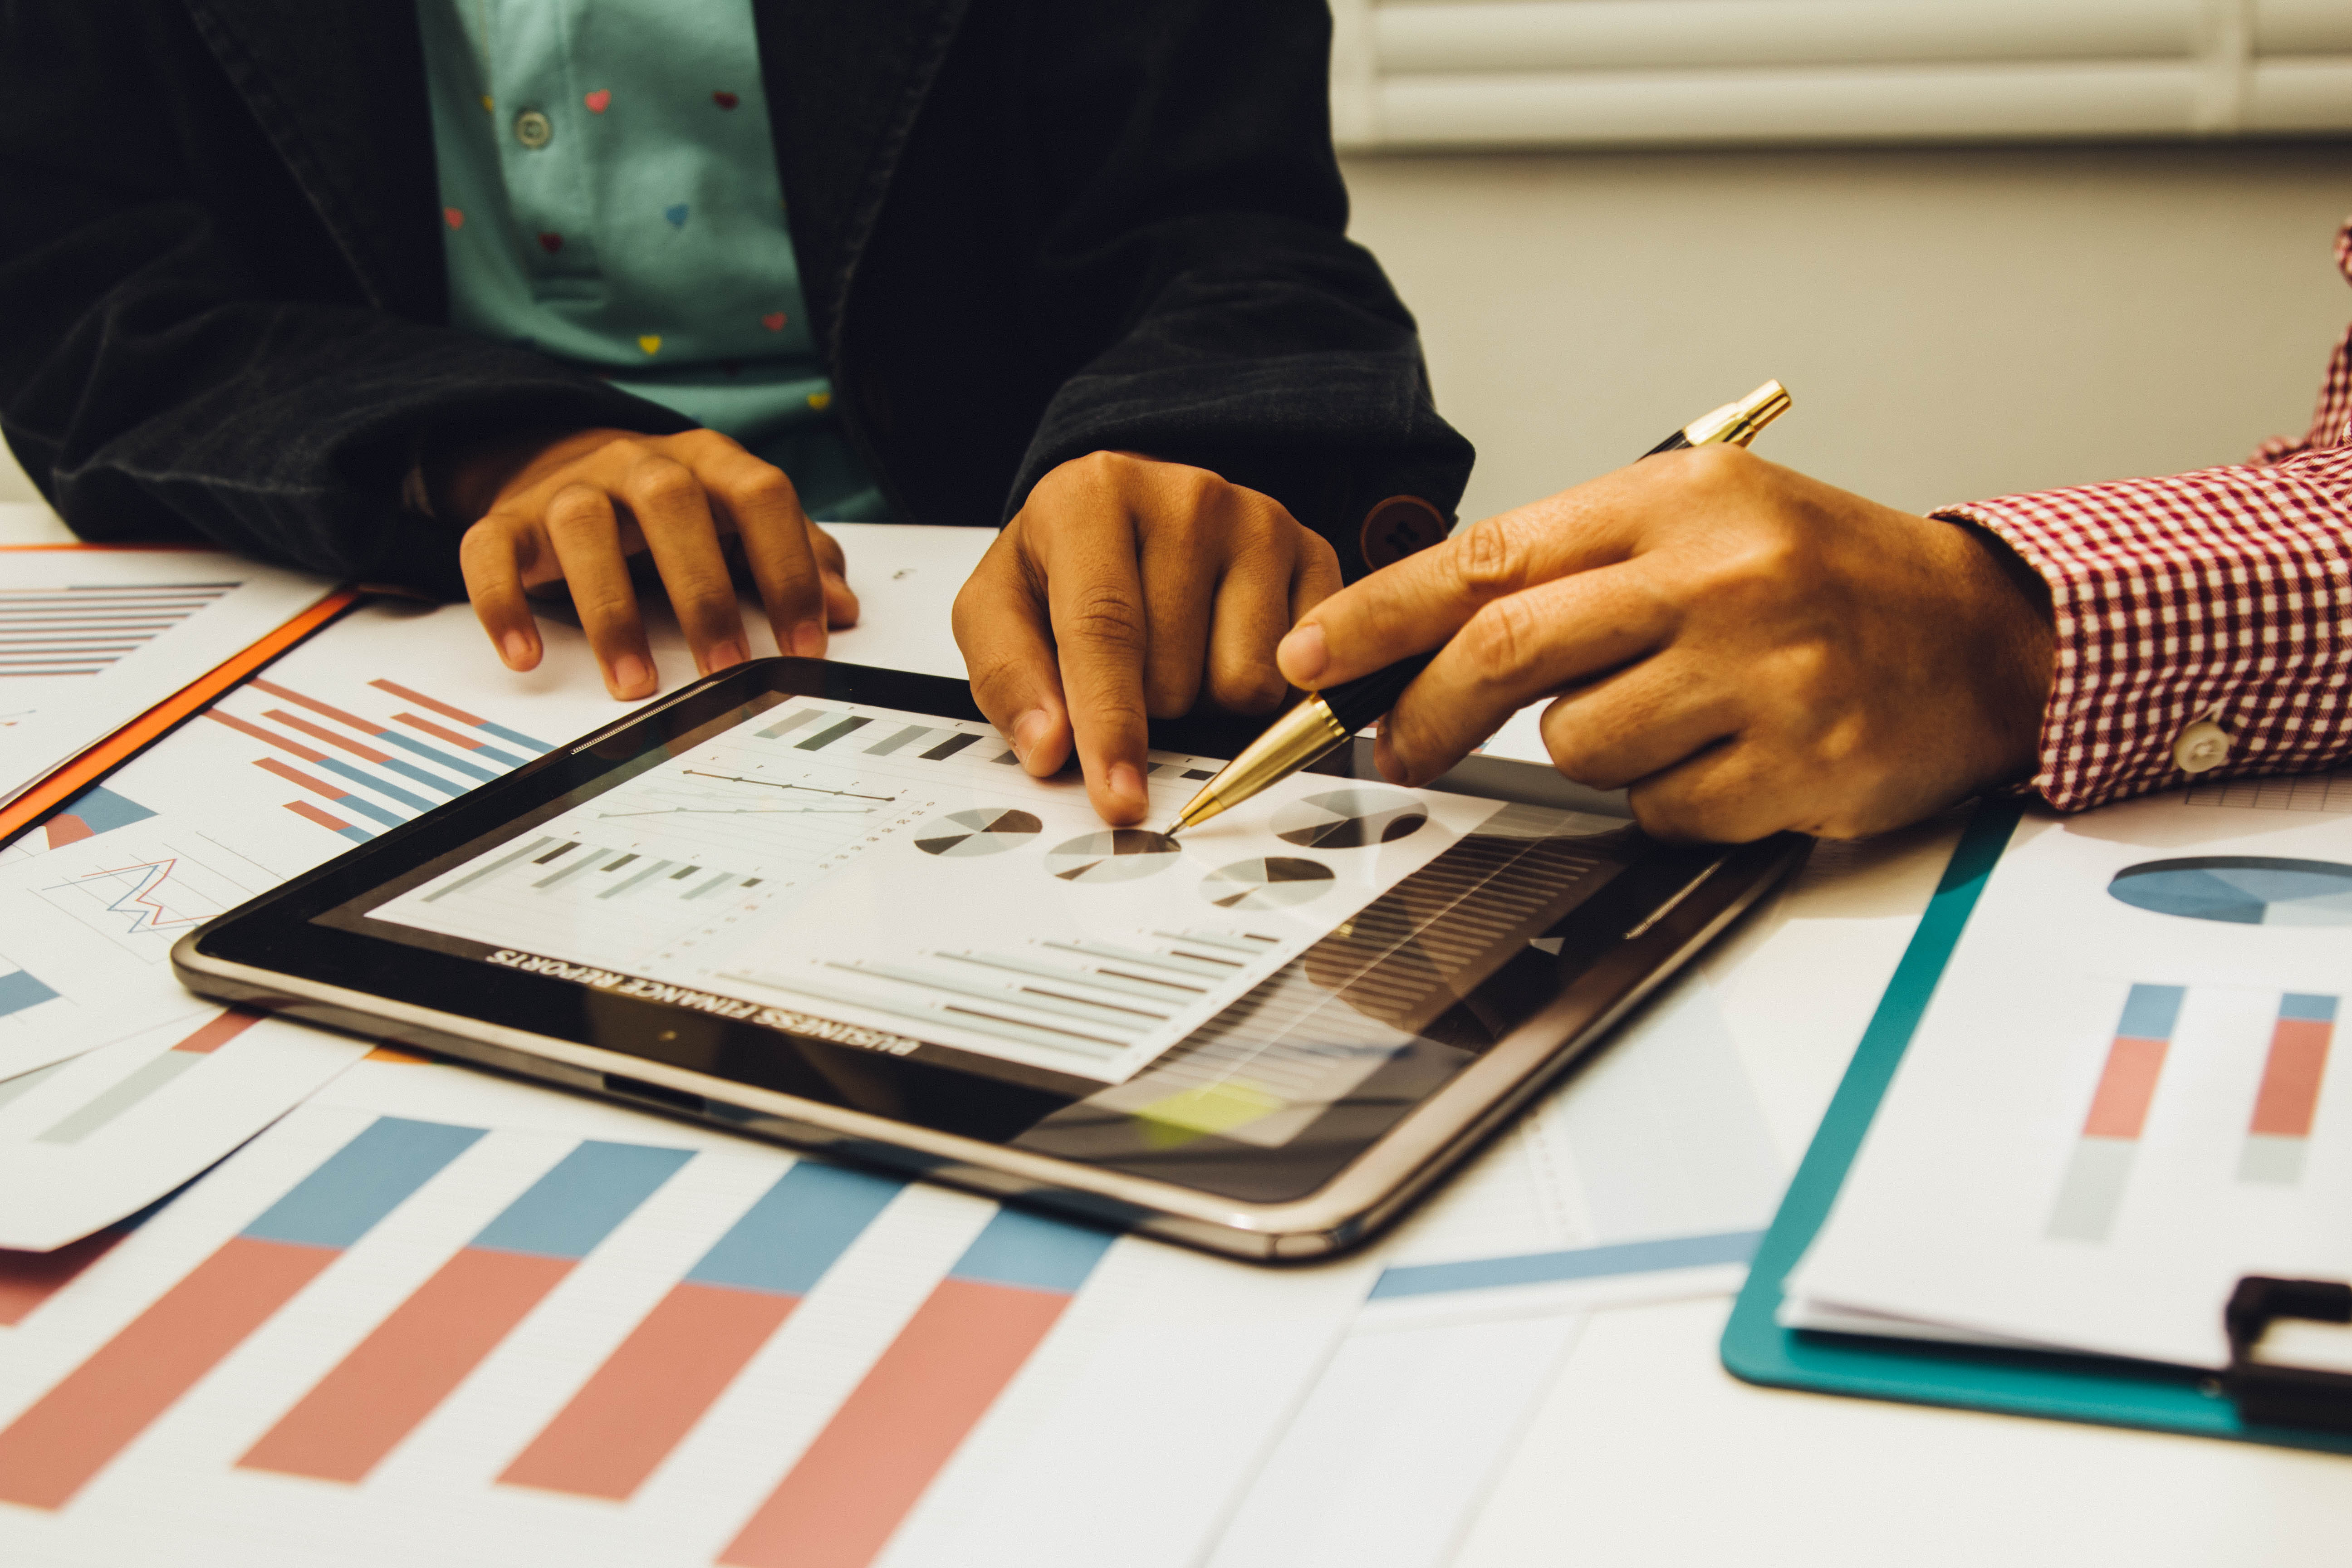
<point x="517" y="650"/>
<point x="1027" y="730"/>
<point x="808" y="639"/>
<point x="631" y="674"/>
<point x="726" y="655"/>
<point x="1302" y="654"/>
<point x="1127" y="784"/>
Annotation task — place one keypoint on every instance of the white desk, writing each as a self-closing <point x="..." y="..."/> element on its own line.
<point x="1645" y="1451"/>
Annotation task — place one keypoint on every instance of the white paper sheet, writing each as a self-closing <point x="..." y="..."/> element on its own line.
<point x="93" y="1139"/>
<point x="1116" y="1420"/>
<point x="2115" y="1108"/>
<point x="91" y="638"/>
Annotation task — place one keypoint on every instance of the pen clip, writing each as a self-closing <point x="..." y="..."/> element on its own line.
<point x="1738" y="424"/>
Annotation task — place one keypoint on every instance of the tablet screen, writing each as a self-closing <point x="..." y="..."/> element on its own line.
<point x="895" y="882"/>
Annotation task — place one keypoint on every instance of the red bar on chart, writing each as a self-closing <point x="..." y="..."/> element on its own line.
<point x="309" y="813"/>
<point x="650" y="1394"/>
<point x="51" y="1451"/>
<point x="30" y="1279"/>
<point x="215" y="1032"/>
<point x="2288" y="1100"/>
<point x="2092" y="1191"/>
<point x="400" y="1374"/>
<point x="839" y="1506"/>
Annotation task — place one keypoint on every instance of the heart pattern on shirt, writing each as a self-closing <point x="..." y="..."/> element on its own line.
<point x="774" y="321"/>
<point x="725" y="99"/>
<point x="650" y="343"/>
<point x="676" y="215"/>
<point x="550" y="243"/>
<point x="597" y="100"/>
<point x="453" y="217"/>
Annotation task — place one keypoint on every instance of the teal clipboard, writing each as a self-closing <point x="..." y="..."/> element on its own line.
<point x="1756" y="1349"/>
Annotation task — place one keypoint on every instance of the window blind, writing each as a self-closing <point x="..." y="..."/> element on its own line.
<point x="1503" y="73"/>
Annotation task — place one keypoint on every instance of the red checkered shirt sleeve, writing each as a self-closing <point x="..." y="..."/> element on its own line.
<point x="2224" y="595"/>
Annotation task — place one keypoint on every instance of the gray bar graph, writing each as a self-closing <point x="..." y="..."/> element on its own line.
<point x="789" y="723"/>
<point x="832" y="733"/>
<point x="80" y="1124"/>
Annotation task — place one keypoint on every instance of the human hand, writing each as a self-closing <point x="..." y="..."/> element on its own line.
<point x="575" y="507"/>
<point x="1747" y="648"/>
<point x="1121" y="590"/>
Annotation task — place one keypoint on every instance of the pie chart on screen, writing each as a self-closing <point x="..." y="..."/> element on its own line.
<point x="1119" y="856"/>
<point x="987" y="832"/>
<point x="1268" y="883"/>
<point x="1349" y="818"/>
<point x="2240" y="889"/>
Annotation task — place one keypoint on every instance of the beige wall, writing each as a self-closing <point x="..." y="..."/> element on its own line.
<point x="1952" y="324"/>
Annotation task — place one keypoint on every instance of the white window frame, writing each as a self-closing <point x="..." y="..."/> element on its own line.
<point x="1592" y="73"/>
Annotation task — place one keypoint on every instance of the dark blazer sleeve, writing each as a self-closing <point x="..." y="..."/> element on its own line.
<point x="1200" y="233"/>
<point x="197" y="342"/>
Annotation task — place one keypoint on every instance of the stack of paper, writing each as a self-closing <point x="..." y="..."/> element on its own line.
<point x="91" y="638"/>
<point x="2124" y="1094"/>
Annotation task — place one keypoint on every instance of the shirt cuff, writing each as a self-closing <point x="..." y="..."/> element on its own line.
<point x="2224" y="595"/>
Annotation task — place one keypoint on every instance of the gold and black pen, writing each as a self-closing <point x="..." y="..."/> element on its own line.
<point x="1327" y="718"/>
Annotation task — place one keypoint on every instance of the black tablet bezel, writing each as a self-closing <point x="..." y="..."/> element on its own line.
<point x="280" y="951"/>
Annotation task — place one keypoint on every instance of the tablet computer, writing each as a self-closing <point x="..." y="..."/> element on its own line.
<point x="825" y="904"/>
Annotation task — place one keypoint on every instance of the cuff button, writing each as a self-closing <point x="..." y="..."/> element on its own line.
<point x="1397" y="528"/>
<point x="2200" y="747"/>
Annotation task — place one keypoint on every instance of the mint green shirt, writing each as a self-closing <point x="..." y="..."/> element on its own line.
<point x="609" y="198"/>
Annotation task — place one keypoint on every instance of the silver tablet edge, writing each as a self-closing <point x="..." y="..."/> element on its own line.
<point x="1361" y="1199"/>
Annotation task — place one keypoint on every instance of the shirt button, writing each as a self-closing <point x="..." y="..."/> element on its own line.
<point x="533" y="130"/>
<point x="2200" y="747"/>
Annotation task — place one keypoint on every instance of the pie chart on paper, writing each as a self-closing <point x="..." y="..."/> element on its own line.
<point x="1349" y="818"/>
<point x="1272" y="883"/>
<point x="2240" y="889"/>
<point x="1121" y="855"/>
<point x="989" y="832"/>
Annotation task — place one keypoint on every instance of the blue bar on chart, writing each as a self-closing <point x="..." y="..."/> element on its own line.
<point x="20" y="989"/>
<point x="476" y="722"/>
<point x="1612" y="1260"/>
<point x="51" y="1451"/>
<point x="360" y="1410"/>
<point x="848" y="1493"/>
<point x="636" y="1407"/>
<point x="2092" y="1191"/>
<point x="2288" y="1100"/>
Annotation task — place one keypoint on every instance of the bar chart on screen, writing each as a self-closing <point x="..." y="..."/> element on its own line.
<point x="382" y="1336"/>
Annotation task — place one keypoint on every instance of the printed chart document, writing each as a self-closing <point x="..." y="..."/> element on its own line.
<point x="2126" y="1092"/>
<point x="900" y="874"/>
<point x="434" y="1316"/>
<point x="91" y="638"/>
<point x="391" y="712"/>
<point x="91" y="1140"/>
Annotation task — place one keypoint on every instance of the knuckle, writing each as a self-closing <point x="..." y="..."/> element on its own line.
<point x="578" y="508"/>
<point x="663" y="482"/>
<point x="1255" y="690"/>
<point x="1104" y="619"/>
<point x="767" y="487"/>
<point x="604" y="604"/>
<point x="1501" y="638"/>
<point x="1493" y="556"/>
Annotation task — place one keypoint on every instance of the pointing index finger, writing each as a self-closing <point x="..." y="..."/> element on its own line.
<point x="1421" y="601"/>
